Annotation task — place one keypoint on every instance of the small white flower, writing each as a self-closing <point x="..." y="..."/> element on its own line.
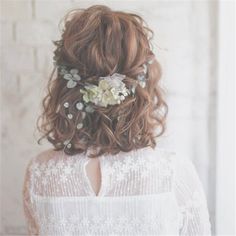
<point x="66" y="104"/>
<point x="66" y="142"/>
<point x="79" y="105"/>
<point x="70" y="116"/>
<point x="79" y="126"/>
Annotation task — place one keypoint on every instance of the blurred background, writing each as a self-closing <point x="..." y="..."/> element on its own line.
<point x="195" y="44"/>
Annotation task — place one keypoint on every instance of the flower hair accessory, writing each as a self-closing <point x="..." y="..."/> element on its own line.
<point x="111" y="90"/>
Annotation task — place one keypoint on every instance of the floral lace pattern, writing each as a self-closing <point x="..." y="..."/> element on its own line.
<point x="53" y="168"/>
<point x="125" y="166"/>
<point x="50" y="177"/>
<point x="101" y="225"/>
<point x="112" y="215"/>
<point x="144" y="192"/>
<point x="116" y="171"/>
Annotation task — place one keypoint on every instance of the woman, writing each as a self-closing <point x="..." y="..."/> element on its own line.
<point x="103" y="114"/>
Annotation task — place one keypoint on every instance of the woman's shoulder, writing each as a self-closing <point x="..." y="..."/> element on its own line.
<point x="177" y="159"/>
<point x="153" y="155"/>
<point x="44" y="157"/>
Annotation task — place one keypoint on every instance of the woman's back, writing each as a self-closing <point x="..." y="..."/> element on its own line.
<point x="144" y="192"/>
<point x="104" y="94"/>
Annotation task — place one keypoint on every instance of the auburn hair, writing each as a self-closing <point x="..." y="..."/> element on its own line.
<point x="98" y="42"/>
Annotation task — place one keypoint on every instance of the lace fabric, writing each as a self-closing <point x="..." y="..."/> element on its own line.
<point x="143" y="192"/>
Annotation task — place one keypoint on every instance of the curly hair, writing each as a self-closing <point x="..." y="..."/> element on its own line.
<point x="99" y="41"/>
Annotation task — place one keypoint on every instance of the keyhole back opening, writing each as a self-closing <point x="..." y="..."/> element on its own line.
<point x="93" y="173"/>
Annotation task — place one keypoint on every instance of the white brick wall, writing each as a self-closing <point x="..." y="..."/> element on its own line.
<point x="184" y="43"/>
<point x="15" y="10"/>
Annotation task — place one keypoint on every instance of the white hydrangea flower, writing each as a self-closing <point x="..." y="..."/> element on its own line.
<point x="110" y="91"/>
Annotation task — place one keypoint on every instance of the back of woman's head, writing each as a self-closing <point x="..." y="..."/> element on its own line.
<point x="98" y="42"/>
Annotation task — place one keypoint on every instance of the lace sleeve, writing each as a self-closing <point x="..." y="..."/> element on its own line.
<point x="191" y="199"/>
<point x="27" y="203"/>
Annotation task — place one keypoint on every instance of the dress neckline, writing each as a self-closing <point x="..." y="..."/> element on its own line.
<point x="121" y="153"/>
<point x="104" y="162"/>
<point x="104" y="177"/>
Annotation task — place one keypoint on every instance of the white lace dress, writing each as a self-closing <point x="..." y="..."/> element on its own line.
<point x="143" y="192"/>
